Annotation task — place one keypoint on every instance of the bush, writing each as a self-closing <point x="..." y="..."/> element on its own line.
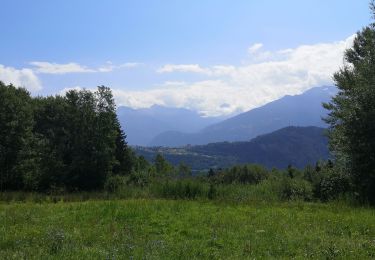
<point x="212" y="192"/>
<point x="296" y="189"/>
<point x="333" y="185"/>
<point x="183" y="189"/>
<point x="327" y="180"/>
<point x="139" y="178"/>
<point x="246" y="174"/>
<point x="114" y="183"/>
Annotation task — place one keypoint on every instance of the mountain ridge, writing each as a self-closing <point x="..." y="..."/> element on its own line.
<point x="142" y="125"/>
<point x="297" y="146"/>
<point x="299" y="110"/>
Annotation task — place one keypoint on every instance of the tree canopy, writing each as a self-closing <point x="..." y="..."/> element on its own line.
<point x="72" y="142"/>
<point x="352" y="113"/>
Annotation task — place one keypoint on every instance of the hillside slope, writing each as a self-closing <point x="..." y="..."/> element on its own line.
<point x="299" y="110"/>
<point x="297" y="146"/>
<point x="142" y="125"/>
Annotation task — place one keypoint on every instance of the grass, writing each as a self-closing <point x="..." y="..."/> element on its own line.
<point x="182" y="229"/>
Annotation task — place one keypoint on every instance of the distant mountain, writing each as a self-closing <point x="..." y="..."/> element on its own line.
<point x="299" y="110"/>
<point x="142" y="125"/>
<point x="297" y="146"/>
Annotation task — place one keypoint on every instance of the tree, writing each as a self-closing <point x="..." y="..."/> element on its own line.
<point x="16" y="124"/>
<point x="352" y="113"/>
<point x="53" y="134"/>
<point x="97" y="143"/>
<point x="162" y="167"/>
<point x="73" y="142"/>
<point x="184" y="170"/>
<point x="126" y="159"/>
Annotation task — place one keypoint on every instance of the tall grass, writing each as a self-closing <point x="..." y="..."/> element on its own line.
<point x="185" y="229"/>
<point x="269" y="190"/>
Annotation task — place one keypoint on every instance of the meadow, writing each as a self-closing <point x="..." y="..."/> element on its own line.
<point x="184" y="229"/>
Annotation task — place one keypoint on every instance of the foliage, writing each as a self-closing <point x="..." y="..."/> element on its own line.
<point x="16" y="139"/>
<point x="73" y="142"/>
<point x="296" y="189"/>
<point x="140" y="178"/>
<point x="334" y="184"/>
<point x="246" y="174"/>
<point x="182" y="189"/>
<point x="114" y="183"/>
<point x="352" y="113"/>
<point x="162" y="166"/>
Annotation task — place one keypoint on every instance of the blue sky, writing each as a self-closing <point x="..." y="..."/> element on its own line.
<point x="203" y="55"/>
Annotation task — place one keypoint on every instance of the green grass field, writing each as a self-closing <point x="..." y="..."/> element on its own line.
<point x="180" y="229"/>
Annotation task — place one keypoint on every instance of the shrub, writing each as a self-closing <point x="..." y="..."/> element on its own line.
<point x="114" y="183"/>
<point x="182" y="189"/>
<point x="333" y="185"/>
<point x="327" y="180"/>
<point x="296" y="189"/>
<point x="246" y="174"/>
<point x="212" y="192"/>
<point x="139" y="178"/>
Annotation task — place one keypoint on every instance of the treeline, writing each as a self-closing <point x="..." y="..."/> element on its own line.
<point x="70" y="142"/>
<point x="239" y="184"/>
<point x="74" y="142"/>
<point x="323" y="182"/>
<point x="249" y="182"/>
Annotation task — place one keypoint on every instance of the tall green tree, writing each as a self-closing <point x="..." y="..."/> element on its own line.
<point x="16" y="124"/>
<point x="162" y="167"/>
<point x="97" y="144"/>
<point x="352" y="113"/>
<point x="72" y="142"/>
<point x="53" y="141"/>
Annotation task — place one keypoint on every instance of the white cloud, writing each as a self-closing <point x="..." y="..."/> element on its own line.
<point x="111" y="67"/>
<point x="56" y="68"/>
<point x="130" y="65"/>
<point x="72" y="67"/>
<point x="174" y="83"/>
<point x="201" y="96"/>
<point x="195" y="68"/>
<point x="264" y="79"/>
<point x="255" y="47"/>
<point x="20" y="78"/>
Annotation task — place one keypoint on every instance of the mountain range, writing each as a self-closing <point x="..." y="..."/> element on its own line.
<point x="174" y="127"/>
<point x="142" y="125"/>
<point x="299" y="110"/>
<point x="297" y="146"/>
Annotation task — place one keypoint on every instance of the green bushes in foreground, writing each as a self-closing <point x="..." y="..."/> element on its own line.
<point x="319" y="183"/>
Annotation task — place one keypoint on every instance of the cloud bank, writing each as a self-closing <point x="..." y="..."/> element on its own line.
<point x="222" y="89"/>
<point x="20" y="77"/>
<point x="264" y="77"/>
<point x="56" y="68"/>
<point x="194" y="68"/>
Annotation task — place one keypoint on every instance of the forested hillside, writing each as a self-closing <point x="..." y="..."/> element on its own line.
<point x="297" y="146"/>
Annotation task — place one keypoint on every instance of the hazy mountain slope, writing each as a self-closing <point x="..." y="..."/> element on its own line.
<point x="142" y="125"/>
<point x="299" y="110"/>
<point x="297" y="146"/>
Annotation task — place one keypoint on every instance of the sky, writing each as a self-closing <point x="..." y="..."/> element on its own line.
<point x="216" y="57"/>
